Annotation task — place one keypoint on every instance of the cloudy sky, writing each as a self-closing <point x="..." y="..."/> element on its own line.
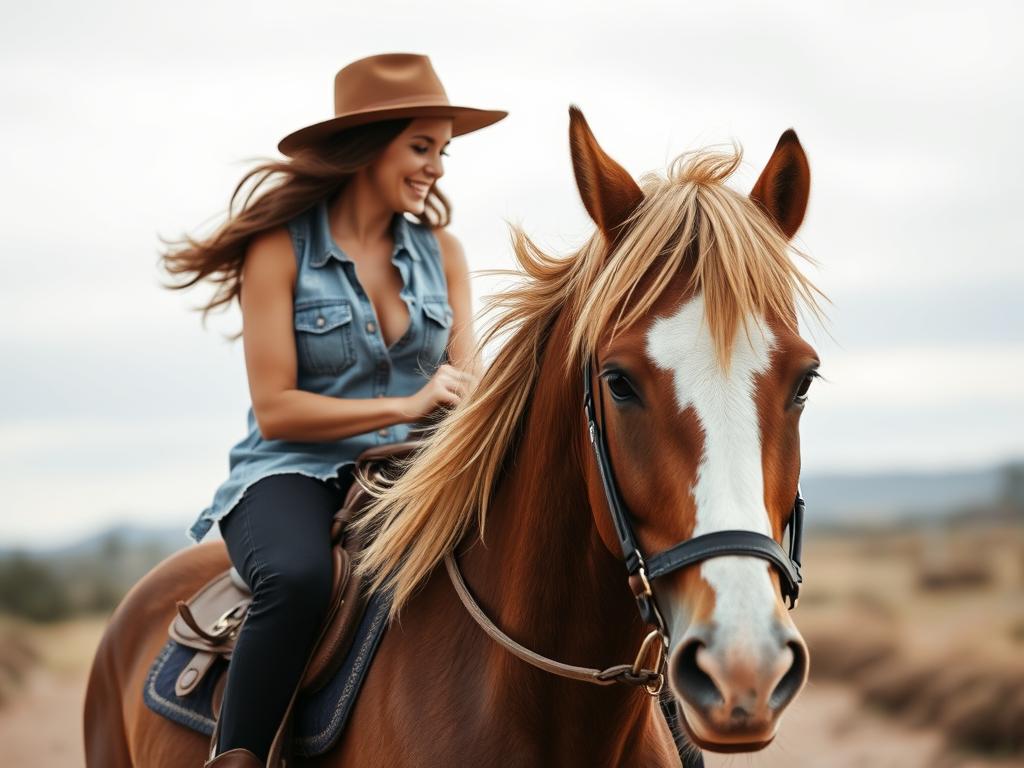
<point x="128" y="121"/>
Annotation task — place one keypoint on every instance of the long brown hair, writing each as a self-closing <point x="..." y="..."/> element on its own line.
<point x="310" y="175"/>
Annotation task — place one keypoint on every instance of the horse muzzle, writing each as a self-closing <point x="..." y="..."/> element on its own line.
<point x="732" y="696"/>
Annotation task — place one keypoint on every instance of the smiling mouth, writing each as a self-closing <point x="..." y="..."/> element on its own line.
<point x="420" y="187"/>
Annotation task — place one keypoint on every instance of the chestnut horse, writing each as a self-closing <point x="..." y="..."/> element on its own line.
<point x="685" y="297"/>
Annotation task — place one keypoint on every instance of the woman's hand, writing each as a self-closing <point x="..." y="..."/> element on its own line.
<point x="446" y="387"/>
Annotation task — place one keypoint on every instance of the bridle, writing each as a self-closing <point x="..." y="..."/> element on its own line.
<point x="641" y="571"/>
<point x="704" y="547"/>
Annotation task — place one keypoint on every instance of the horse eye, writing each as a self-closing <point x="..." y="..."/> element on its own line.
<point x="620" y="387"/>
<point x="801" y="393"/>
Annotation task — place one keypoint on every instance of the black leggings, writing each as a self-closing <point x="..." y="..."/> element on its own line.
<point x="278" y="537"/>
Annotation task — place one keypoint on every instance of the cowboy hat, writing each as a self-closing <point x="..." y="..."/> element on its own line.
<point x="384" y="87"/>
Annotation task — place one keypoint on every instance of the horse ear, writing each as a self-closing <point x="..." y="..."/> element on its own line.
<point x="785" y="184"/>
<point x="608" y="191"/>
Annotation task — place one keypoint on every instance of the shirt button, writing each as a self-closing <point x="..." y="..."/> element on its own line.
<point x="370" y="327"/>
<point x="382" y="432"/>
<point x="320" y="322"/>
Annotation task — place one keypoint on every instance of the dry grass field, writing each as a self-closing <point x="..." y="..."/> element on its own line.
<point x="917" y="657"/>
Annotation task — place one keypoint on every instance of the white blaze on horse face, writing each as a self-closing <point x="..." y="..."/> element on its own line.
<point x="729" y="488"/>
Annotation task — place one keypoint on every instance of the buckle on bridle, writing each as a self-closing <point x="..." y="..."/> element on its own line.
<point x="640" y="585"/>
<point x="654" y="637"/>
<point x="642" y="573"/>
<point x="641" y="577"/>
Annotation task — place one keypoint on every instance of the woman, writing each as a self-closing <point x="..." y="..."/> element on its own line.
<point x="348" y="311"/>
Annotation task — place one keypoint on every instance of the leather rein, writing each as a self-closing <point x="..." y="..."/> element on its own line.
<point x="641" y="571"/>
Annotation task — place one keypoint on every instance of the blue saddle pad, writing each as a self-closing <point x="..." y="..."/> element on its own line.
<point x="318" y="718"/>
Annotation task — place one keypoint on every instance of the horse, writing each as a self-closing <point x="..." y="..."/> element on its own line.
<point x="679" y="315"/>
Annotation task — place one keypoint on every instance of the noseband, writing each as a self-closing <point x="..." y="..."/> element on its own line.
<point x="641" y="571"/>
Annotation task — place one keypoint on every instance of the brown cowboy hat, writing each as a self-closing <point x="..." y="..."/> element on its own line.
<point x="387" y="86"/>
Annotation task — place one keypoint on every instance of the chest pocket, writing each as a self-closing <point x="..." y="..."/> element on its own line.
<point x="323" y="337"/>
<point x="437" y="322"/>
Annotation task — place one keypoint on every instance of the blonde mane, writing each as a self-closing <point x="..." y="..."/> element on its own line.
<point x="689" y="219"/>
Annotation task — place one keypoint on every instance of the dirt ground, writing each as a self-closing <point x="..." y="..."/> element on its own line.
<point x="41" y="721"/>
<point x="42" y="727"/>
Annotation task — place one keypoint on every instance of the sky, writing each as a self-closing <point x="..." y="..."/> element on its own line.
<point x="125" y="122"/>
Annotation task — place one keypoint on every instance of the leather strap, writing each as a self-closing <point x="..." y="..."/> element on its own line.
<point x="194" y="672"/>
<point x="620" y="673"/>
<point x="616" y="506"/>
<point x="721" y="543"/>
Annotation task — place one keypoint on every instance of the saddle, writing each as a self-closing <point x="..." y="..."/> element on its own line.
<point x="209" y="621"/>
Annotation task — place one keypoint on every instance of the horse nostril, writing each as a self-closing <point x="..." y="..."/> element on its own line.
<point x="692" y="682"/>
<point x="793" y="680"/>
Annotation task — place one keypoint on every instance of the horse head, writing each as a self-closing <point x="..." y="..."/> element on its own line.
<point x="702" y="377"/>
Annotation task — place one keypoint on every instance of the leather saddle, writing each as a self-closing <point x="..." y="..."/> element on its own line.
<point x="210" y="620"/>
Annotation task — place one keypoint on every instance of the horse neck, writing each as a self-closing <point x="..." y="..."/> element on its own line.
<point x="544" y="574"/>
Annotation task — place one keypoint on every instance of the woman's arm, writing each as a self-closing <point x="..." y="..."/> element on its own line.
<point x="462" y="342"/>
<point x="283" y="412"/>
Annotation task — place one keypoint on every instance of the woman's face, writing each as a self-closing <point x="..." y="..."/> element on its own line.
<point x="408" y="167"/>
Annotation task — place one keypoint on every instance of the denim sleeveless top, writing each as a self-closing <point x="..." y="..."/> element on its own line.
<point x="341" y="352"/>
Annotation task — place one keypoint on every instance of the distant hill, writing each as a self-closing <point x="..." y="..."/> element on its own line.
<point x="890" y="496"/>
<point x="164" y="538"/>
<point x="88" y="576"/>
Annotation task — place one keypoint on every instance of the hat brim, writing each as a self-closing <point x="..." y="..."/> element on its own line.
<point x="464" y="120"/>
